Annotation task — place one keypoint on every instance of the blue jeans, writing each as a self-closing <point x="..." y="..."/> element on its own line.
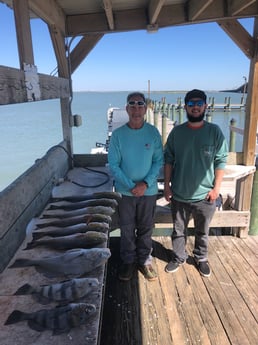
<point x="202" y="213"/>
<point x="136" y="217"/>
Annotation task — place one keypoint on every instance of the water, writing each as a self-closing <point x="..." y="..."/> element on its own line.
<point x="28" y="130"/>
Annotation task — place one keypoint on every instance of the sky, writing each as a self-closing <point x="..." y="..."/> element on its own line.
<point x="177" y="58"/>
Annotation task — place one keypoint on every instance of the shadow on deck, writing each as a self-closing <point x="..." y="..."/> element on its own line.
<point x="184" y="308"/>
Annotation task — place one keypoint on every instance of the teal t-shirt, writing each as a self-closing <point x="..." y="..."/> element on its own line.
<point x="135" y="155"/>
<point x="195" y="154"/>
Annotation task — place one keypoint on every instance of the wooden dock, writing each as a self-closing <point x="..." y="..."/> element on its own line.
<point x="183" y="308"/>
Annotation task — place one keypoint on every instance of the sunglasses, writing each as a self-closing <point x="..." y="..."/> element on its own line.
<point x="193" y="103"/>
<point x="139" y="103"/>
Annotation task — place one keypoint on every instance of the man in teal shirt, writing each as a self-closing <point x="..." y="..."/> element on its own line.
<point x="195" y="158"/>
<point x="135" y="157"/>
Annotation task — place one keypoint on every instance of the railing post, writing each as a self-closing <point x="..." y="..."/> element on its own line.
<point x="232" y="139"/>
<point x="253" y="230"/>
<point x="164" y="129"/>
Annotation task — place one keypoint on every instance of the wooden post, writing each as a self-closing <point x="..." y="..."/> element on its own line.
<point x="208" y="117"/>
<point x="181" y="115"/>
<point x="254" y="206"/>
<point x="232" y="139"/>
<point x="156" y="118"/>
<point x="173" y="112"/>
<point x="164" y="129"/>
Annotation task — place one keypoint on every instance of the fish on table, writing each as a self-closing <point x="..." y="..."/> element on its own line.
<point x="97" y="195"/>
<point x="86" y="218"/>
<point x="62" y="292"/>
<point x="88" y="239"/>
<point x="58" y="231"/>
<point x="109" y="211"/>
<point x="68" y="205"/>
<point x="60" y="319"/>
<point x="72" y="263"/>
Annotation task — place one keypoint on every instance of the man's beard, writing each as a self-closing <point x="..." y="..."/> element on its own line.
<point x="194" y="118"/>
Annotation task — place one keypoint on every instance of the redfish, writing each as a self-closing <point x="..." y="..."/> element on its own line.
<point x="74" y="262"/>
<point x="68" y="205"/>
<point x="89" y="239"/>
<point x="60" y="319"/>
<point x="63" y="292"/>
<point x="86" y="218"/>
<point x="98" y="195"/>
<point x="58" y="231"/>
<point x="108" y="211"/>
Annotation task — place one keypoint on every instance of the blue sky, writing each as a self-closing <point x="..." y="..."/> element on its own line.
<point x="177" y="58"/>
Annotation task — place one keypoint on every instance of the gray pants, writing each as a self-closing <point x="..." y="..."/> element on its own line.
<point x="202" y="213"/>
<point x="136" y="215"/>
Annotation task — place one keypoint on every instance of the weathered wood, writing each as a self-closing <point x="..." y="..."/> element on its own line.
<point x="228" y="218"/>
<point x="13" y="88"/>
<point x="183" y="307"/>
<point x="25" y="198"/>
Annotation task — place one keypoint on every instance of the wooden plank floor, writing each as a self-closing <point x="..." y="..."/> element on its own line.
<point x="182" y="307"/>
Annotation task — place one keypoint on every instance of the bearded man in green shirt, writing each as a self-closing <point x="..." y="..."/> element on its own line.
<point x="195" y="158"/>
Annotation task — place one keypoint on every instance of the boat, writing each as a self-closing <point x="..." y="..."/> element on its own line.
<point x="62" y="175"/>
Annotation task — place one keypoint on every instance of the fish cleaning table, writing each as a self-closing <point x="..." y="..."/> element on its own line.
<point x="12" y="279"/>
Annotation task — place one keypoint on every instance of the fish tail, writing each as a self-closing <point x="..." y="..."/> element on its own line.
<point x="37" y="235"/>
<point x="25" y="289"/>
<point x="30" y="245"/>
<point x="14" y="317"/>
<point x="21" y="263"/>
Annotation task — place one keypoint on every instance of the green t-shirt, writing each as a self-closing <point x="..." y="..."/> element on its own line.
<point x="195" y="154"/>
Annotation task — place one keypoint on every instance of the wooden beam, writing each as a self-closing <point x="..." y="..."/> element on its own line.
<point x="58" y="42"/>
<point x="197" y="7"/>
<point x="109" y="13"/>
<point x="85" y="45"/>
<point x="154" y="10"/>
<point x="239" y="35"/>
<point x="201" y="11"/>
<point x="251" y="118"/>
<point x="237" y="6"/>
<point x="50" y="12"/>
<point x="23" y="32"/>
<point x="13" y="87"/>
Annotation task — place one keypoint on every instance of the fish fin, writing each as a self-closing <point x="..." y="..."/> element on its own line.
<point x="14" y="317"/>
<point x="25" y="289"/>
<point x="35" y="326"/>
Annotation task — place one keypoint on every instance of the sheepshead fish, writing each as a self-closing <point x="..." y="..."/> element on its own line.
<point x="63" y="292"/>
<point x="86" y="218"/>
<point x="109" y="211"/>
<point x="98" y="195"/>
<point x="55" y="231"/>
<point x="60" y="319"/>
<point x="74" y="262"/>
<point x="89" y="239"/>
<point x="68" y="205"/>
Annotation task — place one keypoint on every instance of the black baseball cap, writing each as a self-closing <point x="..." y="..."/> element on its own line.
<point x="195" y="93"/>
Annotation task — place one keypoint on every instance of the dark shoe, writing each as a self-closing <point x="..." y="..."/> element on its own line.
<point x="204" y="268"/>
<point x="173" y="266"/>
<point x="148" y="272"/>
<point x="126" y="271"/>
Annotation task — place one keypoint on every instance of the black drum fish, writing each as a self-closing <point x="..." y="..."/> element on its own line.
<point x="74" y="262"/>
<point x="60" y="319"/>
<point x="62" y="292"/>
